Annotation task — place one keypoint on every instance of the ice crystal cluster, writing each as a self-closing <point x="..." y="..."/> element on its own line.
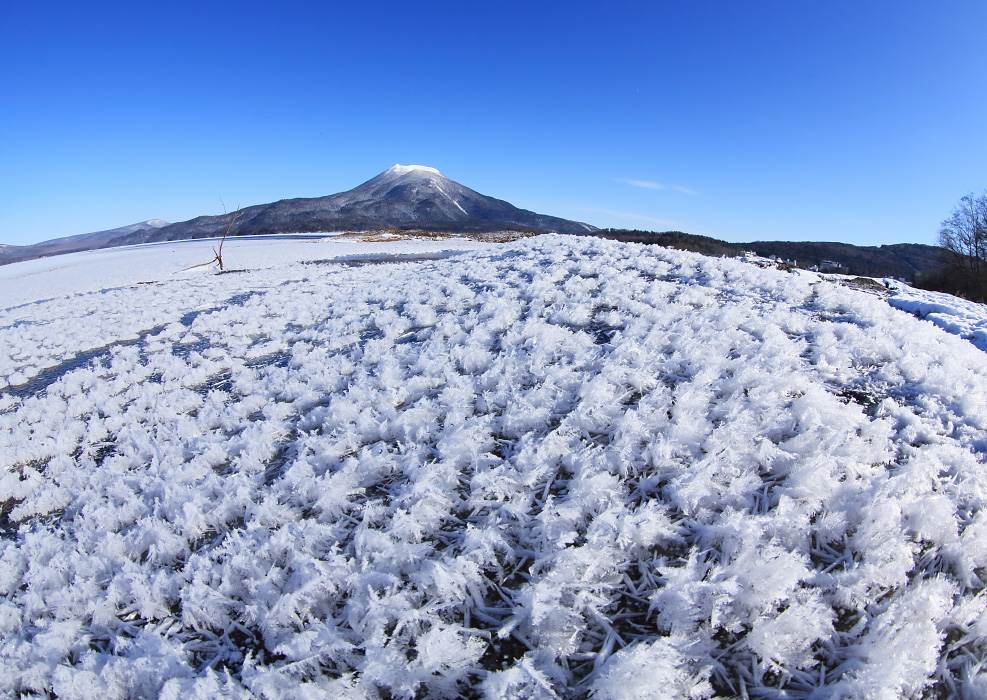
<point x="563" y="468"/>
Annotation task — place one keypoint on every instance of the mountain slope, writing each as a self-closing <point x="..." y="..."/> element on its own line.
<point x="403" y="197"/>
<point x="71" y="244"/>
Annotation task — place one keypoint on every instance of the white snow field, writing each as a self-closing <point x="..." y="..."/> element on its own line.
<point x="558" y="468"/>
<point x="959" y="316"/>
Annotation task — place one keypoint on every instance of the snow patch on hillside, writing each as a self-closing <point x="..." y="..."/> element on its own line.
<point x="562" y="468"/>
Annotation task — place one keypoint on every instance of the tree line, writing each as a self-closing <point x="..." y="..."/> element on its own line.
<point x="963" y="239"/>
<point x="958" y="265"/>
<point x="910" y="261"/>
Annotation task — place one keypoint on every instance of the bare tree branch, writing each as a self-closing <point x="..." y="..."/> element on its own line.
<point x="218" y="254"/>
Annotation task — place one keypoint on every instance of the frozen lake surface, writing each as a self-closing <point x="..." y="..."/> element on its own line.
<point x="559" y="468"/>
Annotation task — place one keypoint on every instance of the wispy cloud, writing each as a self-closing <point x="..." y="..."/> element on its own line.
<point x="628" y="215"/>
<point x="649" y="185"/>
<point x="646" y="184"/>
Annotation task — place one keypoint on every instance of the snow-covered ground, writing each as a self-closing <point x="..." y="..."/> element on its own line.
<point x="96" y="270"/>
<point x="958" y="316"/>
<point x="558" y="468"/>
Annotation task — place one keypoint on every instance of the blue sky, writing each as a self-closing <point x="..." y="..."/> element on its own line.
<point x="861" y="122"/>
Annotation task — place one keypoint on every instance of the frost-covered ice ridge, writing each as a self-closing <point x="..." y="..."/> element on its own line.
<point x="561" y="468"/>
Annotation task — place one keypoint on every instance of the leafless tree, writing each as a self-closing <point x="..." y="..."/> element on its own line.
<point x="218" y="253"/>
<point x="963" y="237"/>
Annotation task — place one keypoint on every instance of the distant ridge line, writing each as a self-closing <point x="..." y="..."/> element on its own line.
<point x="911" y="261"/>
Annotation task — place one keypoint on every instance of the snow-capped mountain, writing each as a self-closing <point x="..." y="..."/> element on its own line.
<point x="403" y="197"/>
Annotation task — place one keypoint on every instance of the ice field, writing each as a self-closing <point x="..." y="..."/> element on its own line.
<point x="557" y="468"/>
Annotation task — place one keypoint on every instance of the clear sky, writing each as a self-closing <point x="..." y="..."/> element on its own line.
<point x="842" y="120"/>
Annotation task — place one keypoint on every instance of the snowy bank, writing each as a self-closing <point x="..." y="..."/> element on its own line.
<point x="560" y="468"/>
<point x="960" y="317"/>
